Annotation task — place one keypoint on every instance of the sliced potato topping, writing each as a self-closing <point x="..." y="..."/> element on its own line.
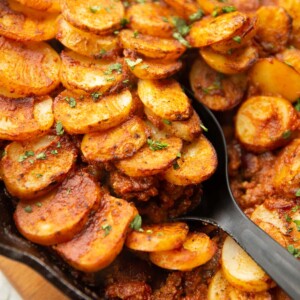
<point x="25" y="118"/>
<point x="102" y="240"/>
<point x="158" y="237"/>
<point x="57" y="216"/>
<point x="183" y="7"/>
<point x="90" y="113"/>
<point x="291" y="57"/>
<point x="42" y="5"/>
<point x="32" y="168"/>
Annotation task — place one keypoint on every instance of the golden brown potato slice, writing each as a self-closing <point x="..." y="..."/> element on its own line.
<point x="98" y="16"/>
<point x="86" y="43"/>
<point x="8" y="93"/>
<point x="236" y="294"/>
<point x="241" y="271"/>
<point x="151" y="46"/>
<point x="102" y="240"/>
<point x="265" y="123"/>
<point x="25" y="118"/>
<point x="246" y="5"/>
<point x="291" y="57"/>
<point x="165" y="98"/>
<point x="294" y="226"/>
<point x="116" y="143"/>
<point x="212" y="30"/>
<point x="197" y="249"/>
<point x="26" y="69"/>
<point x="215" y="90"/>
<point x="90" y="113"/>
<point x="57" y="216"/>
<point x="153" y="158"/>
<point x="158" y="237"/>
<point x="270" y="76"/>
<point x="197" y="162"/>
<point x="80" y="73"/>
<point x="42" y="5"/>
<point x="183" y="7"/>
<point x="209" y="6"/>
<point x="22" y="23"/>
<point x="32" y="168"/>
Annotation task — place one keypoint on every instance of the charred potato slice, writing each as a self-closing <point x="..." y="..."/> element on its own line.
<point x="184" y="8"/>
<point x="57" y="216"/>
<point x="265" y="123"/>
<point x="90" y="113"/>
<point x="32" y="168"/>
<point x="25" y="118"/>
<point x="33" y="68"/>
<point x="102" y="240"/>
<point x="98" y="16"/>
<point x="42" y="5"/>
<point x="150" y="46"/>
<point x="116" y="143"/>
<point x="158" y="237"/>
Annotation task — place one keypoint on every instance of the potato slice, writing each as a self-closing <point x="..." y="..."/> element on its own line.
<point x="197" y="249"/>
<point x="165" y="98"/>
<point x="32" y="168"/>
<point x="80" y="73"/>
<point x="212" y="30"/>
<point x="184" y="8"/>
<point x="197" y="162"/>
<point x="241" y="271"/>
<point x="102" y="240"/>
<point x="265" y="123"/>
<point x="26" y="69"/>
<point x="247" y="5"/>
<point x="291" y="57"/>
<point x="116" y="143"/>
<point x="90" y="113"/>
<point x="150" y="46"/>
<point x="86" y="43"/>
<point x="152" y="158"/>
<point x="25" y="118"/>
<point x="42" y="5"/>
<point x="158" y="237"/>
<point x="270" y="76"/>
<point x="294" y="226"/>
<point x="4" y="92"/>
<point x="236" y="294"/>
<point x="57" y="216"/>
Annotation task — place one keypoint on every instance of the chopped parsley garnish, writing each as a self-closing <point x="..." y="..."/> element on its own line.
<point x="95" y="96"/>
<point x="28" y="209"/>
<point x="145" y="67"/>
<point x="101" y="53"/>
<point x="180" y="25"/>
<point x="228" y="9"/>
<point x="286" y="134"/>
<point x="39" y="175"/>
<point x="132" y="63"/>
<point x="3" y="153"/>
<point x="41" y="156"/>
<point x="181" y="39"/>
<point x="297" y="105"/>
<point x="125" y="81"/>
<point x="197" y="15"/>
<point x="297" y="222"/>
<point x="204" y="128"/>
<point x="167" y="122"/>
<point x="136" y="223"/>
<point x="176" y="165"/>
<point x="156" y="145"/>
<point x="59" y="128"/>
<point x="165" y="19"/>
<point x="95" y="8"/>
<point x="114" y="67"/>
<point x="71" y="101"/>
<point x="237" y="39"/>
<point x="111" y="78"/>
<point x="294" y="251"/>
<point x="107" y="229"/>
<point x="24" y="156"/>
<point x="39" y="204"/>
<point x="297" y="207"/>
<point x="116" y="32"/>
<point x="288" y="218"/>
<point x="135" y="34"/>
<point x="58" y="145"/>
<point x="215" y="12"/>
<point x="124" y="22"/>
<point x="54" y="152"/>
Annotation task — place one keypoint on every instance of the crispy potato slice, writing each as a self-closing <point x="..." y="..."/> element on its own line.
<point x="291" y="57"/>
<point x="21" y="23"/>
<point x="42" y="5"/>
<point x="265" y="123"/>
<point x="91" y="113"/>
<point x="152" y="158"/>
<point x="294" y="225"/>
<point x="57" y="216"/>
<point x="270" y="76"/>
<point x="151" y="46"/>
<point x="236" y="62"/>
<point x="245" y="5"/>
<point x="86" y="43"/>
<point x="32" y="168"/>
<point x="197" y="162"/>
<point x="26" y="69"/>
<point x="158" y="237"/>
<point x="209" y="6"/>
<point x="184" y="8"/>
<point x="98" y="16"/>
<point x="241" y="271"/>
<point x="25" y="118"/>
<point x="116" y="143"/>
<point x="287" y="169"/>
<point x="216" y="91"/>
<point x="80" y="73"/>
<point x="236" y="294"/>
<point x="197" y="249"/>
<point x="102" y="240"/>
<point x="165" y="98"/>
<point x="212" y="30"/>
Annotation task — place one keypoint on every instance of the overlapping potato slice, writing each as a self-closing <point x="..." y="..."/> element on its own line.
<point x="116" y="143"/>
<point x="86" y="43"/>
<point x="158" y="237"/>
<point x="270" y="76"/>
<point x="241" y="271"/>
<point x="184" y="8"/>
<point x="22" y="23"/>
<point x="90" y="113"/>
<point x="9" y="93"/>
<point x="291" y="57"/>
<point x="32" y="168"/>
<point x="26" y="69"/>
<point x="102" y="240"/>
<point x="25" y="118"/>
<point x="57" y="216"/>
<point x="151" y="46"/>
<point x="165" y="98"/>
<point x="197" y="162"/>
<point x="42" y="5"/>
<point x="98" y="16"/>
<point x="247" y="5"/>
<point x="265" y="123"/>
<point x="197" y="249"/>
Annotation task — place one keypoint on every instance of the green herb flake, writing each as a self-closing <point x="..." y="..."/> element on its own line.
<point x="3" y="153"/>
<point x="165" y="19"/>
<point x="41" y="156"/>
<point x="204" y="128"/>
<point x="54" y="152"/>
<point x="95" y="8"/>
<point x="125" y="81"/>
<point x="126" y="4"/>
<point x="228" y="9"/>
<point x="39" y="204"/>
<point x="39" y="175"/>
<point x="71" y="101"/>
<point x="124" y="22"/>
<point x="176" y="165"/>
<point x="196" y="16"/>
<point x="294" y="251"/>
<point x="114" y="67"/>
<point x="149" y="231"/>
<point x="141" y="1"/>
<point x="297" y="222"/>
<point x="156" y="145"/>
<point x="101" y="53"/>
<point x="28" y="209"/>
<point x="111" y="78"/>
<point x="95" y="96"/>
<point x="180" y="25"/>
<point x="132" y="63"/>
<point x="135" y="34"/>
<point x="295" y="208"/>
<point x="167" y="122"/>
<point x="116" y="32"/>
<point x="215" y="13"/>
<point x="22" y="158"/>
<point x="297" y="105"/>
<point x="29" y="153"/>
<point x="136" y="223"/>
<point x="178" y="155"/>
<point x="58" y="145"/>
<point x="59" y="128"/>
<point x="237" y="39"/>
<point x="288" y="218"/>
<point x="145" y="67"/>
<point x="107" y="229"/>
<point x="287" y="134"/>
<point x="181" y="39"/>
